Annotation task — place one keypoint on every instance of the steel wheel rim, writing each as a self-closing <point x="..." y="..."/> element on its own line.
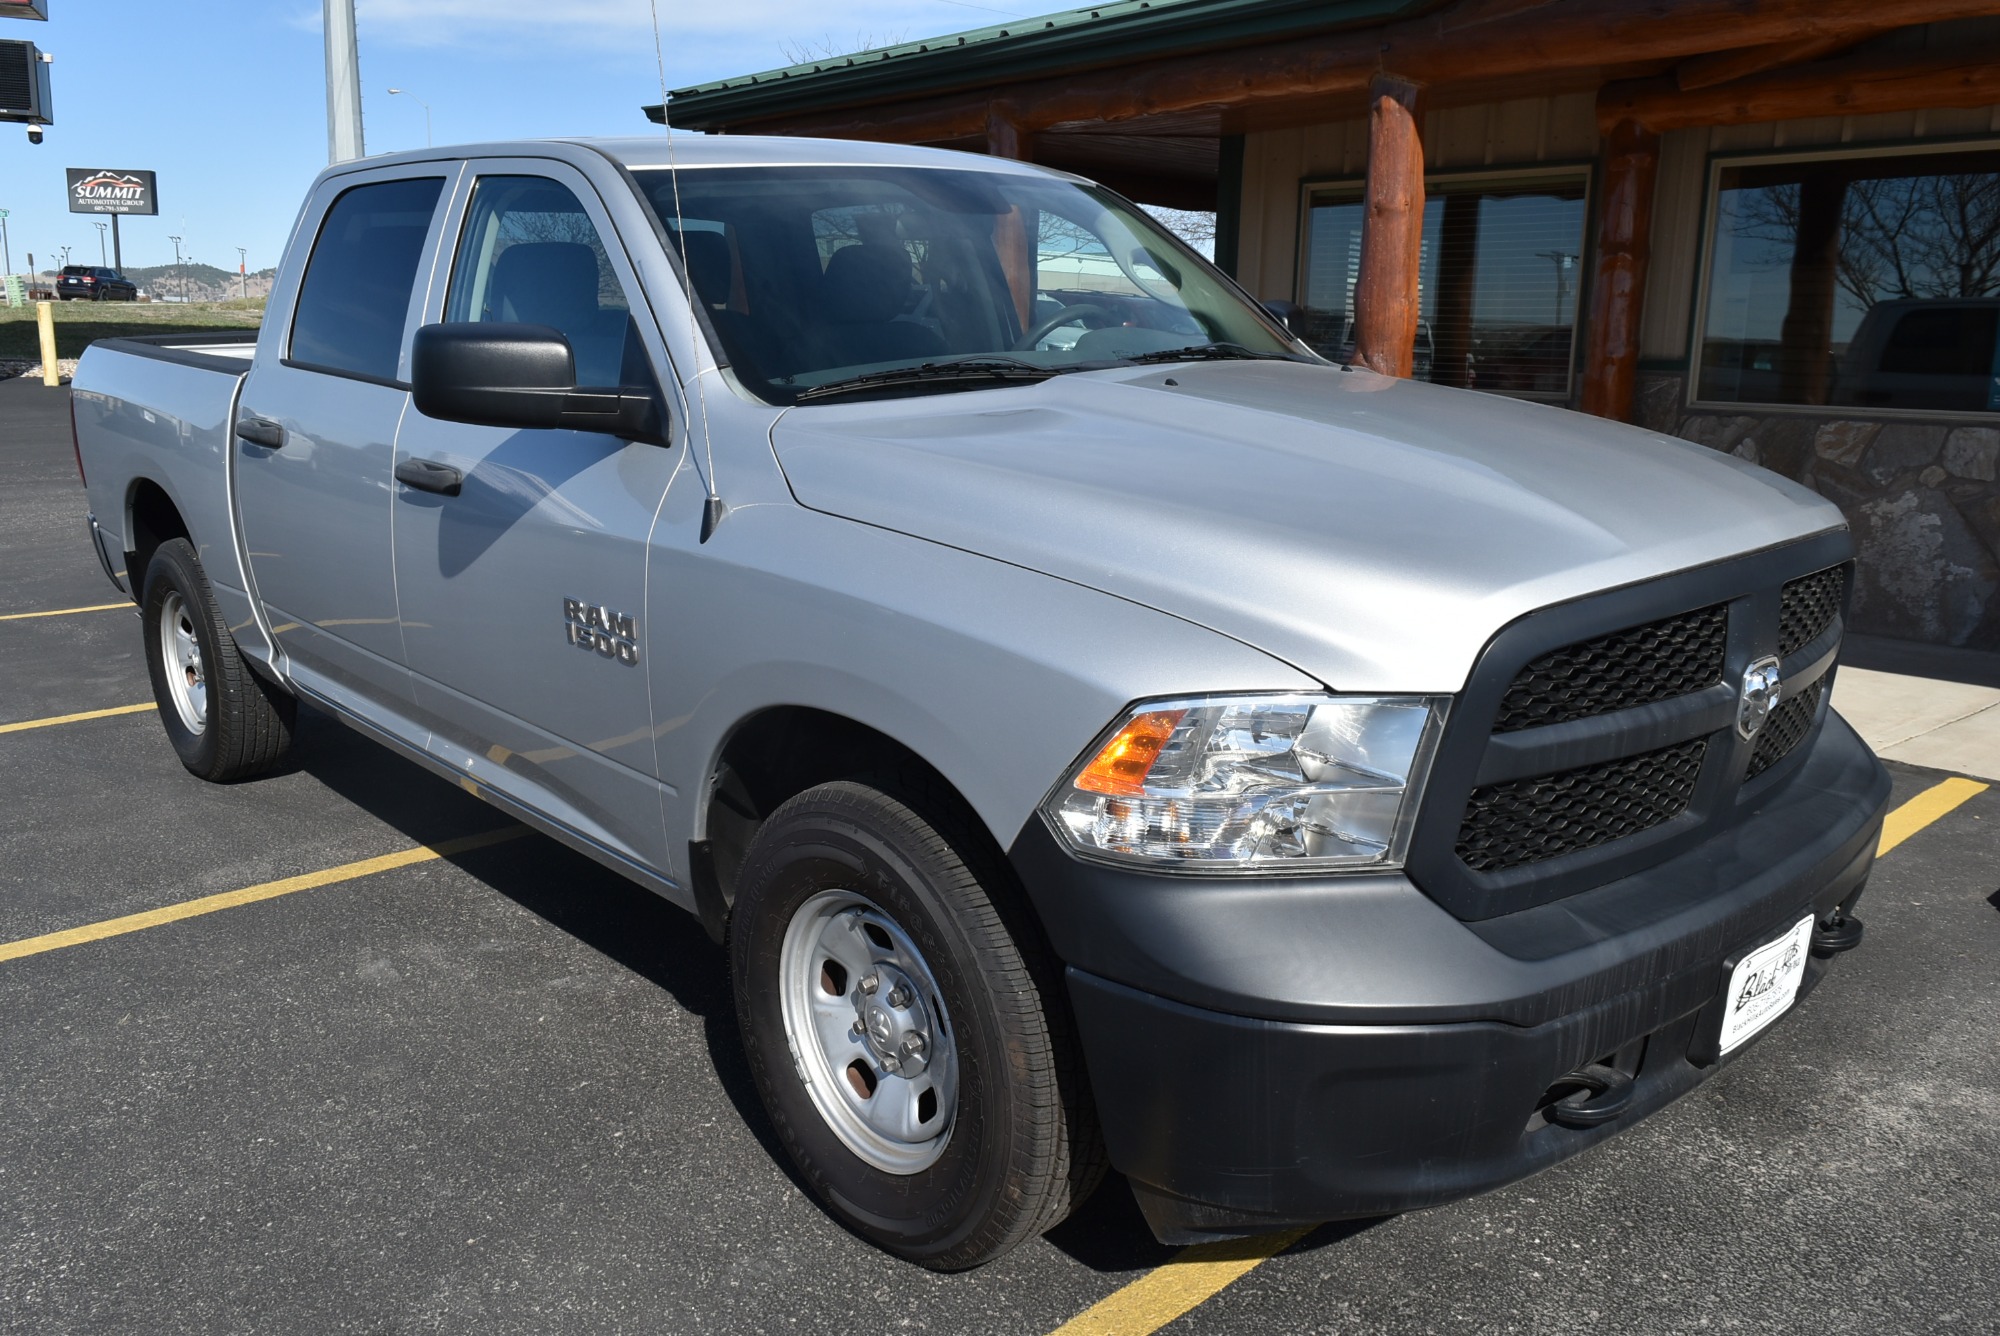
<point x="180" y="658"/>
<point x="898" y="1113"/>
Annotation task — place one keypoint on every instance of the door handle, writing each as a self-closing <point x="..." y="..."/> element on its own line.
<point x="427" y="475"/>
<point x="261" y="431"/>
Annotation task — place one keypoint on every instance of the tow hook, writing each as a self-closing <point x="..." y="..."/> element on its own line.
<point x="1602" y="1093"/>
<point x="1839" y="933"/>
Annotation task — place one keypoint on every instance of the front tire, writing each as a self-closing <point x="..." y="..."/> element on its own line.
<point x="906" y="1028"/>
<point x="224" y="721"/>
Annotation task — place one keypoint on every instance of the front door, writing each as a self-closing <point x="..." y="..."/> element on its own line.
<point x="522" y="595"/>
<point x="313" y="493"/>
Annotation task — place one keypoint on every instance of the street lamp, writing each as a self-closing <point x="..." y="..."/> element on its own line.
<point x="243" y="271"/>
<point x="404" y="92"/>
<point x="6" y="253"/>
<point x="177" y="265"/>
<point x="100" y="242"/>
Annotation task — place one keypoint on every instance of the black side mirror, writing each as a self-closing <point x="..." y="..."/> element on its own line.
<point x="1286" y="313"/>
<point x="491" y="374"/>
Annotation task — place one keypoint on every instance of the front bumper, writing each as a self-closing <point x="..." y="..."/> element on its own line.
<point x="1276" y="1052"/>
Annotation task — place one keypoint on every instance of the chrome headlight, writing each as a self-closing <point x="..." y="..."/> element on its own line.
<point x="1254" y="783"/>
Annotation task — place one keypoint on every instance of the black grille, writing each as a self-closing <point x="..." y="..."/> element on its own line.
<point x="1529" y="820"/>
<point x="1785" y="729"/>
<point x="1810" y="604"/>
<point x="1637" y="666"/>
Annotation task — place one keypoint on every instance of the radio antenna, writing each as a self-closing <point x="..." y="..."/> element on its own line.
<point x="712" y="509"/>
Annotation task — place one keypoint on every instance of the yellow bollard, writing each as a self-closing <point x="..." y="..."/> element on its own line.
<point x="45" y="320"/>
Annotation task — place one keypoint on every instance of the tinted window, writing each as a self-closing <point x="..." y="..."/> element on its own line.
<point x="1872" y="281"/>
<point x="1499" y="281"/>
<point x="75" y="269"/>
<point x="531" y="256"/>
<point x="356" y="291"/>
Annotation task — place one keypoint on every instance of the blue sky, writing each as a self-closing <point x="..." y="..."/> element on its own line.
<point x="226" y="99"/>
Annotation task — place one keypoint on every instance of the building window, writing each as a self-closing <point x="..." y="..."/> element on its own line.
<point x="1499" y="279"/>
<point x="1864" y="281"/>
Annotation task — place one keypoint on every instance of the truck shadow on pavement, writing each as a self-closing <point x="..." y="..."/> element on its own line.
<point x="639" y="931"/>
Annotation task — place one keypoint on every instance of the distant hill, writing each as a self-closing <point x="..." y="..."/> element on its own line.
<point x="200" y="282"/>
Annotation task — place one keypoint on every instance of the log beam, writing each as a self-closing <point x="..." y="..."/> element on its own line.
<point x="1392" y="231"/>
<point x="1618" y="291"/>
<point x="1589" y="34"/>
<point x="1721" y="67"/>
<point x="1832" y="88"/>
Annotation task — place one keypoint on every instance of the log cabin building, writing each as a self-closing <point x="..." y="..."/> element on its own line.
<point x="1768" y="226"/>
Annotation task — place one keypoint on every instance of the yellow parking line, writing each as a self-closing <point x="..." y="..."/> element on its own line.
<point x="27" y="724"/>
<point x="270" y="890"/>
<point x="1196" y="1275"/>
<point x="1926" y="807"/>
<point x="61" y="612"/>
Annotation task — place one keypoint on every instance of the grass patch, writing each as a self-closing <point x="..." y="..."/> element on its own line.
<point x="79" y="323"/>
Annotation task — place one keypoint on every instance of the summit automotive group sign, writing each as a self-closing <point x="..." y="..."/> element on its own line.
<point x="95" y="190"/>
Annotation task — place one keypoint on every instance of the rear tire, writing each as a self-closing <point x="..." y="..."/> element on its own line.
<point x="847" y="886"/>
<point x="225" y="722"/>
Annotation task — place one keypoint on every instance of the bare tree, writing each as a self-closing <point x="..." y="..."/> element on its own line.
<point x="828" y="47"/>
<point x="1934" y="236"/>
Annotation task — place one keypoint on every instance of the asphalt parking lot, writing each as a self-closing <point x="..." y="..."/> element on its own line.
<point x="499" y="1090"/>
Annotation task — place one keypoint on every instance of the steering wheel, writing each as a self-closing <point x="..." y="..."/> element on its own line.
<point x="1069" y="315"/>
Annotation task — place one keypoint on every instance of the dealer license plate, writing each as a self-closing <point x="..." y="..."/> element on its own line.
<point x="1764" y="985"/>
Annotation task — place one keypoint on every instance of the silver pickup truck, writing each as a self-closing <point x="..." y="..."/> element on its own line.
<point x="1100" y="729"/>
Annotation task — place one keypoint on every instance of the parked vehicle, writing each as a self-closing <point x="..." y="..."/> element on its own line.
<point x="89" y="282"/>
<point x="1096" y="725"/>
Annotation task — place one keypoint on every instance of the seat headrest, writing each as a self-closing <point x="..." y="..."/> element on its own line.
<point x="544" y="283"/>
<point x="868" y="284"/>
<point x="709" y="266"/>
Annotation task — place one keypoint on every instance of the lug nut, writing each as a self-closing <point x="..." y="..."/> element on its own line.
<point x="870" y="982"/>
<point x="855" y="1031"/>
<point x="913" y="1044"/>
<point x="899" y="998"/>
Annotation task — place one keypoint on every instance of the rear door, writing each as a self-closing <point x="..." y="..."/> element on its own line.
<point x="522" y="596"/>
<point x="314" y="494"/>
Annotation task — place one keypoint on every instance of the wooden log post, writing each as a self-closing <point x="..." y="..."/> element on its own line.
<point x="1004" y="139"/>
<point x="1392" y="231"/>
<point x="1617" y="295"/>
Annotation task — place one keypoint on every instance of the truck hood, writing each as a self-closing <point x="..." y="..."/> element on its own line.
<point x="1371" y="532"/>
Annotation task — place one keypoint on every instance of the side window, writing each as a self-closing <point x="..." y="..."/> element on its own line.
<point x="530" y="255"/>
<point x="356" y="290"/>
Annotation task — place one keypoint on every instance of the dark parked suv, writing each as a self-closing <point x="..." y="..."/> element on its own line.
<point x="95" y="283"/>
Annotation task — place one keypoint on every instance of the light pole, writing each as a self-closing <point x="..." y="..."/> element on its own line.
<point x="177" y="265"/>
<point x="243" y="271"/>
<point x="6" y="254"/>
<point x="101" y="257"/>
<point x="404" y="92"/>
<point x="65" y="256"/>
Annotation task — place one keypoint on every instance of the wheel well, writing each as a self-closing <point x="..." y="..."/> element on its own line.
<point x="776" y="754"/>
<point x="155" y="519"/>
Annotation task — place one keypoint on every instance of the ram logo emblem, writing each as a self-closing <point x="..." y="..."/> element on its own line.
<point x="1757" y="697"/>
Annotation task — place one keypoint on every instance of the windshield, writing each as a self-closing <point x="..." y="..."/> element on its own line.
<point x="816" y="276"/>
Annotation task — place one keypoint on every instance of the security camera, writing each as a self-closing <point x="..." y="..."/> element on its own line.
<point x="34" y="134"/>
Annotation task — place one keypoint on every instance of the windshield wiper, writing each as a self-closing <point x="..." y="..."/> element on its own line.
<point x="1207" y="352"/>
<point x="965" y="372"/>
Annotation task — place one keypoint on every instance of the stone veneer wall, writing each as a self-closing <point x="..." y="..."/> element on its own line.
<point x="1921" y="497"/>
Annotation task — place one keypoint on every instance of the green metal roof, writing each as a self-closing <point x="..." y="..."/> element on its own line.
<point x="1020" y="49"/>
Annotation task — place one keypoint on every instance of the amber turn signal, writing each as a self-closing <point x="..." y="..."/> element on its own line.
<point x="1121" y="767"/>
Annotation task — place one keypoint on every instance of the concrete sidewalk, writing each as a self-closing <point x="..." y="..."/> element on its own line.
<point x="1923" y="705"/>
